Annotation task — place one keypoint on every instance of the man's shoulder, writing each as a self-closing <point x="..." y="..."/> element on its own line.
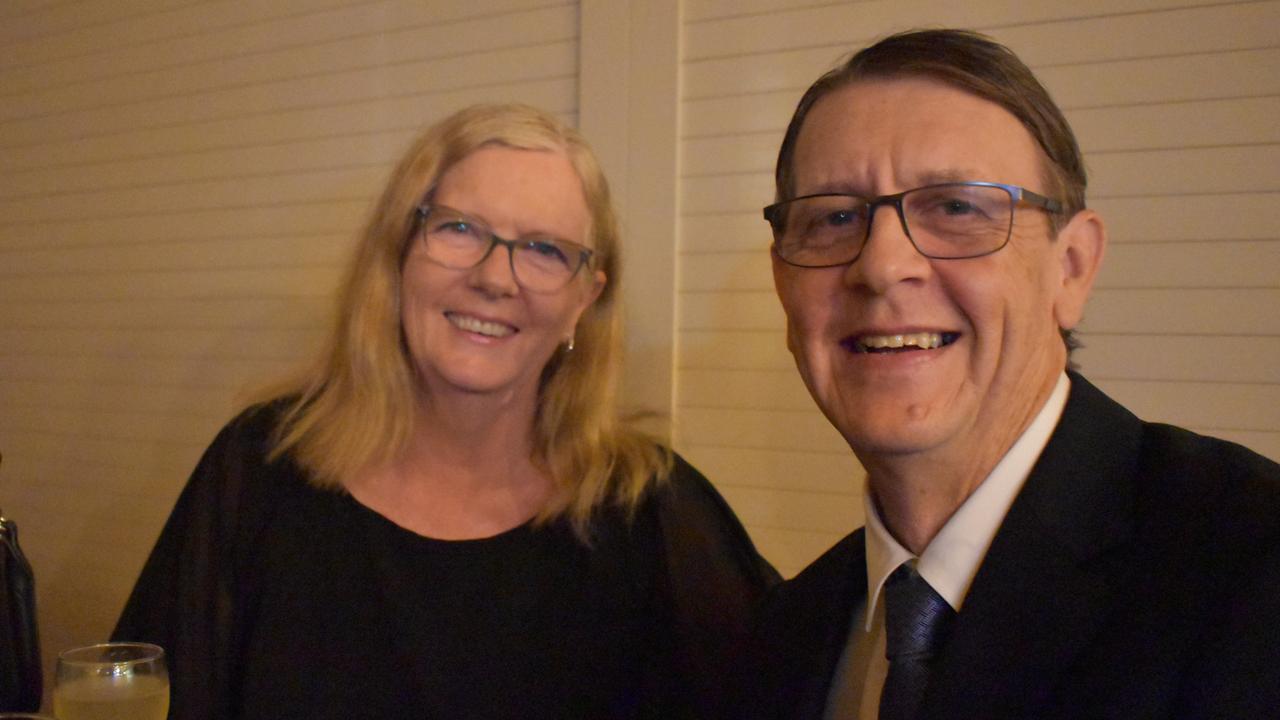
<point x="829" y="588"/>
<point x="1104" y="426"/>
<point x="1204" y="555"/>
<point x="1180" y="450"/>
<point x="1229" y="489"/>
<point x="1176" y="476"/>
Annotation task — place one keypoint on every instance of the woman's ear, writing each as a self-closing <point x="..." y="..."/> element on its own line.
<point x="598" y="281"/>
<point x="591" y="293"/>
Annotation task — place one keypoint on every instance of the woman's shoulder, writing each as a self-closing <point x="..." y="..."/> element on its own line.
<point x="696" y="521"/>
<point x="239" y="468"/>
<point x="711" y="578"/>
<point x="253" y="426"/>
<point x="249" y="439"/>
<point x="685" y="491"/>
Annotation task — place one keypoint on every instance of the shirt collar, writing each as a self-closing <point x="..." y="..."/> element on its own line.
<point x="952" y="558"/>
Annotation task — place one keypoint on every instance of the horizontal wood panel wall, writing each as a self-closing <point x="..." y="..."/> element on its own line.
<point x="180" y="184"/>
<point x="1175" y="104"/>
<point x="180" y="181"/>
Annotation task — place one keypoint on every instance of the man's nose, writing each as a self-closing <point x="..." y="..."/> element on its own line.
<point x="888" y="257"/>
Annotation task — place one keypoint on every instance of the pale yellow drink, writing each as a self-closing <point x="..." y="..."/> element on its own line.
<point x="138" y="697"/>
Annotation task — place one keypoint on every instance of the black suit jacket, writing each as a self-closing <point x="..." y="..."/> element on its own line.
<point x="1137" y="575"/>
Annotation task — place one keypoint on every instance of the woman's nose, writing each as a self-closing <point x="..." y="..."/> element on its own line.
<point x="495" y="274"/>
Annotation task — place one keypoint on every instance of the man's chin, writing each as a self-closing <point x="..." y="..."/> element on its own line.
<point x="894" y="438"/>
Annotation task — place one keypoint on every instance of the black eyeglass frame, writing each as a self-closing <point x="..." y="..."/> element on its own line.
<point x="585" y="254"/>
<point x="1017" y="194"/>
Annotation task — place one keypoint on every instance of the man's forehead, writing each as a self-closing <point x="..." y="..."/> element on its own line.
<point x="926" y="130"/>
<point x="904" y="106"/>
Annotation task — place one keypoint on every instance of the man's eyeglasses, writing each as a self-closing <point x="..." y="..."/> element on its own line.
<point x="458" y="241"/>
<point x="949" y="221"/>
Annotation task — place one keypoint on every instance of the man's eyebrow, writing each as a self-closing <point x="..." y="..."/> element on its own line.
<point x="839" y="187"/>
<point x="948" y="175"/>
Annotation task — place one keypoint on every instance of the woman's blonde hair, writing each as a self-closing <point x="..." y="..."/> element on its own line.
<point x="355" y="407"/>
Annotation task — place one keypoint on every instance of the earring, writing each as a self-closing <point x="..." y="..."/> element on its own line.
<point x="569" y="347"/>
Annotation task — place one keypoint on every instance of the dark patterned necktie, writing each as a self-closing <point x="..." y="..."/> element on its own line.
<point x="916" y="623"/>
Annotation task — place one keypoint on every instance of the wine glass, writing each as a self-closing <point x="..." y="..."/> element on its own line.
<point x="112" y="681"/>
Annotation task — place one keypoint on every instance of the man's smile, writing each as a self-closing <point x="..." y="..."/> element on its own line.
<point x="900" y="342"/>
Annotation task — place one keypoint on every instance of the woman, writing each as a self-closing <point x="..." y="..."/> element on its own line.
<point x="445" y="517"/>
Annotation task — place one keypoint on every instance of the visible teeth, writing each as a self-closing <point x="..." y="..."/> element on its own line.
<point x="923" y="340"/>
<point x="476" y="325"/>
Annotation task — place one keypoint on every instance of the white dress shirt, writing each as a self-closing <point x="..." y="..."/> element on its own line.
<point x="948" y="564"/>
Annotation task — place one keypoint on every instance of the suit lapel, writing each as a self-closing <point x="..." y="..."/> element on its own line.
<point x="1042" y="592"/>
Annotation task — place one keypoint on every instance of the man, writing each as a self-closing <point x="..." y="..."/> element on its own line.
<point x="1049" y="554"/>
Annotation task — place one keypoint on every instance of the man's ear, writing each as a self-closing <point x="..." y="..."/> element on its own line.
<point x="1080" y="247"/>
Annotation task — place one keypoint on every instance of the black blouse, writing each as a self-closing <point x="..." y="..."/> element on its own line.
<point x="276" y="599"/>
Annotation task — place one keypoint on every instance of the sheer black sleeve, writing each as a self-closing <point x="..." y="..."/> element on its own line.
<point x="189" y="597"/>
<point x="714" y="578"/>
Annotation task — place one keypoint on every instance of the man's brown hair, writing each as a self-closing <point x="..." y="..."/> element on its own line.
<point x="971" y="62"/>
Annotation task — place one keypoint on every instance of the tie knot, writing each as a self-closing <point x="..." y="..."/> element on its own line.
<point x="916" y="616"/>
